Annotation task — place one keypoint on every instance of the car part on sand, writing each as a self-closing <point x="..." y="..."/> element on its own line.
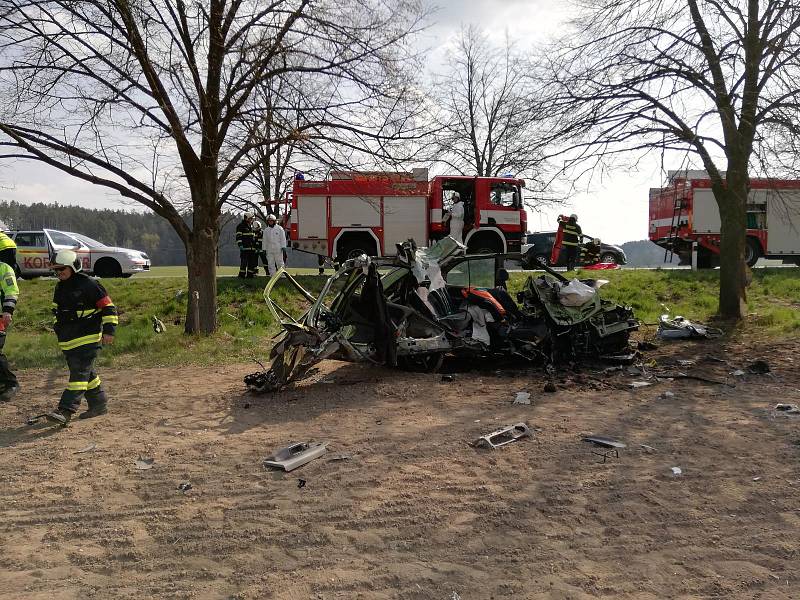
<point x="295" y="455"/>
<point x="426" y="303"/>
<point x="611" y="446"/>
<point x="503" y="436"/>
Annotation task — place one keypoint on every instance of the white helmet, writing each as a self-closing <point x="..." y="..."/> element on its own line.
<point x="271" y="217"/>
<point x="68" y="258"/>
<point x="456" y="196"/>
<point x="256" y="224"/>
<point x="249" y="215"/>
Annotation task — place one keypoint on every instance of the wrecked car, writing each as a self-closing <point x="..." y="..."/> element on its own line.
<point x="425" y="304"/>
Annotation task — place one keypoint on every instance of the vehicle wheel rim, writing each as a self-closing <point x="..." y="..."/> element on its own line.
<point x="608" y="258"/>
<point x="542" y="260"/>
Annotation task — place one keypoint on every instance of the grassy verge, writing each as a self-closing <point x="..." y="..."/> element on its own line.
<point x="246" y="327"/>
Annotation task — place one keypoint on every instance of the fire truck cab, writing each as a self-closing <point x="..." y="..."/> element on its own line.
<point x="354" y="213"/>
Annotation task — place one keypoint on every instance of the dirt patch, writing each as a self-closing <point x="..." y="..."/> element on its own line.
<point x="415" y="512"/>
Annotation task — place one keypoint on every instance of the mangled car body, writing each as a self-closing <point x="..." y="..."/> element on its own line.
<point x="427" y="303"/>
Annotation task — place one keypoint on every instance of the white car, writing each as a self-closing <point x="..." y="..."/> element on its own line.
<point x="34" y="249"/>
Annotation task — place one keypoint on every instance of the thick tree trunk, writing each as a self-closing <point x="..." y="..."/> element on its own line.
<point x="201" y="258"/>
<point x="733" y="226"/>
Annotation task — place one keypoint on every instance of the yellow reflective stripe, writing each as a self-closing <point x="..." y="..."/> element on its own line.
<point x="94" y="383"/>
<point x="55" y="305"/>
<point x="111" y="319"/>
<point x="78" y="386"/>
<point x="86" y="313"/>
<point x="87" y="339"/>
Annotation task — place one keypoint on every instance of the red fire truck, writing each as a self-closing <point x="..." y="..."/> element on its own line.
<point x="685" y="212"/>
<point x="369" y="212"/>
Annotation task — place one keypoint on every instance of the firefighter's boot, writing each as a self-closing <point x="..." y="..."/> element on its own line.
<point x="59" y="416"/>
<point x="94" y="411"/>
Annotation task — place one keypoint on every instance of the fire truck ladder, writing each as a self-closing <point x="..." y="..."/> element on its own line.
<point x="677" y="211"/>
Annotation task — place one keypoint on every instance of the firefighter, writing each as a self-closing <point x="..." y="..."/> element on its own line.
<point x="274" y="245"/>
<point x="9" y="292"/>
<point x="8" y="250"/>
<point x="85" y="318"/>
<point x="456" y="218"/>
<point x="571" y="241"/>
<point x="258" y="235"/>
<point x="590" y="253"/>
<point x="248" y="251"/>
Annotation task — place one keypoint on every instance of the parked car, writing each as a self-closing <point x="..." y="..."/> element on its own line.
<point x="536" y="251"/>
<point x="34" y="248"/>
<point x="426" y="304"/>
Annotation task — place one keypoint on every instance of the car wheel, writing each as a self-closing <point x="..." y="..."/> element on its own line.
<point x="608" y="257"/>
<point x="107" y="267"/>
<point x="543" y="259"/>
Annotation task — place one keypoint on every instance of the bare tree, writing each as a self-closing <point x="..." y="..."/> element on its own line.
<point x="486" y="117"/>
<point x="153" y="99"/>
<point x="715" y="77"/>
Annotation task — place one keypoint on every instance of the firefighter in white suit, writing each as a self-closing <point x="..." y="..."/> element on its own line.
<point x="456" y="218"/>
<point x="274" y="245"/>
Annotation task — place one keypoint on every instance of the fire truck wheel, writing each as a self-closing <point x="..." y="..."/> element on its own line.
<point x="484" y="243"/>
<point x="752" y="252"/>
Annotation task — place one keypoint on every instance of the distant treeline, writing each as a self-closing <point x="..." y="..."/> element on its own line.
<point x="140" y="231"/>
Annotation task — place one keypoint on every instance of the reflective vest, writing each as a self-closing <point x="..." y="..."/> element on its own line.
<point x="9" y="292"/>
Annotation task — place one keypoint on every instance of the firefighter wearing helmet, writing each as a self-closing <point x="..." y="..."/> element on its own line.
<point x="248" y="251"/>
<point x="274" y="245"/>
<point x="571" y="241"/>
<point x="85" y="318"/>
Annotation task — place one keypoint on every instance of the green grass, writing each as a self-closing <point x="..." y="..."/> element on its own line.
<point x="223" y="271"/>
<point x="246" y="326"/>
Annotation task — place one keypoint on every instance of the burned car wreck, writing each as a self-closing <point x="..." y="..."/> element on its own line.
<point x="427" y="303"/>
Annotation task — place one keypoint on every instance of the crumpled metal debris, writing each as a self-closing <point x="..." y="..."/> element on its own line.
<point x="373" y="311"/>
<point x="683" y="328"/>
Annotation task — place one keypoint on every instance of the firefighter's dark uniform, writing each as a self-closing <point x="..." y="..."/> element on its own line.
<point x="248" y="252"/>
<point x="84" y="313"/>
<point x="9" y="292"/>
<point x="570" y="241"/>
<point x="258" y="241"/>
<point x="590" y="253"/>
<point x="8" y="250"/>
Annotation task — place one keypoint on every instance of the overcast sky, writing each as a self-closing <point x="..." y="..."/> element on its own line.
<point x="615" y="209"/>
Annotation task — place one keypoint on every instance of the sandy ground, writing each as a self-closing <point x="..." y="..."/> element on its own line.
<point x="415" y="512"/>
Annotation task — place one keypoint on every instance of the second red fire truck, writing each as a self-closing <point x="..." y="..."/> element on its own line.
<point x="685" y="212"/>
<point x="354" y="213"/>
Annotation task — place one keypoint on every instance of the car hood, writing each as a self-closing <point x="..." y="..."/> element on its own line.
<point x="115" y="250"/>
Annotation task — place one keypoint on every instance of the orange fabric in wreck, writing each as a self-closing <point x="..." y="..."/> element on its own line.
<point x="486" y="296"/>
